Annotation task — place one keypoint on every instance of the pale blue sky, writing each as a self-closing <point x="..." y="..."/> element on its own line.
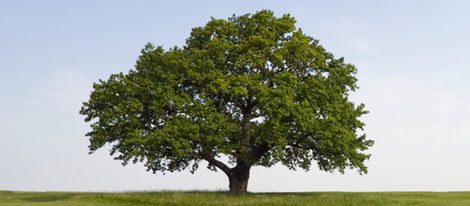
<point x="413" y="66"/>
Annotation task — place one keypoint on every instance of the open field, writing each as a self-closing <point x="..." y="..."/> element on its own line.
<point x="220" y="198"/>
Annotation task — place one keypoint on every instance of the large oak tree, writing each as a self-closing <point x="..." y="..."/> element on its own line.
<point x="253" y="90"/>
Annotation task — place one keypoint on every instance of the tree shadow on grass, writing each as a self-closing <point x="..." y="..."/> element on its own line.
<point x="48" y="197"/>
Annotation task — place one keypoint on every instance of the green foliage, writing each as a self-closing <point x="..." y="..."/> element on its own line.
<point x="253" y="88"/>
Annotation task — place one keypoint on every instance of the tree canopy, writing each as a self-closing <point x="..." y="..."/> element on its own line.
<point x="253" y="89"/>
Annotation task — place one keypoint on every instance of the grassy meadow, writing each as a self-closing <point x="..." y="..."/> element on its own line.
<point x="221" y="198"/>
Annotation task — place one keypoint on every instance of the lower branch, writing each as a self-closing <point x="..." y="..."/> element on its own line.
<point x="209" y="158"/>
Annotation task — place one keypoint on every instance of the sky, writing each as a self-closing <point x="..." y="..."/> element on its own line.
<point x="413" y="69"/>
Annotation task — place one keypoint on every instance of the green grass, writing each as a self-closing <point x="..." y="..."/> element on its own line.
<point x="221" y="198"/>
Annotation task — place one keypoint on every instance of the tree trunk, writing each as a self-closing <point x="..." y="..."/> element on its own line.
<point x="238" y="178"/>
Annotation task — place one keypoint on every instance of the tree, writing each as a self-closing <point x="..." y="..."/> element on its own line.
<point x="253" y="89"/>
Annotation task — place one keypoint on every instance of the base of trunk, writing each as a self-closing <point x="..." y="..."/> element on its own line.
<point x="237" y="186"/>
<point x="238" y="179"/>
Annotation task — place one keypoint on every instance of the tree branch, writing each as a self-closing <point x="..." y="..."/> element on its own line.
<point x="260" y="150"/>
<point x="209" y="158"/>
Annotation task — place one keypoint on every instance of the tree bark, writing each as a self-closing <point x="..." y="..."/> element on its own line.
<point x="238" y="178"/>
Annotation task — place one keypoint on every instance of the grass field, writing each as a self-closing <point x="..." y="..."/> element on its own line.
<point x="220" y="198"/>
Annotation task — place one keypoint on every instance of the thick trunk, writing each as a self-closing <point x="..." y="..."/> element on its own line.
<point x="238" y="178"/>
